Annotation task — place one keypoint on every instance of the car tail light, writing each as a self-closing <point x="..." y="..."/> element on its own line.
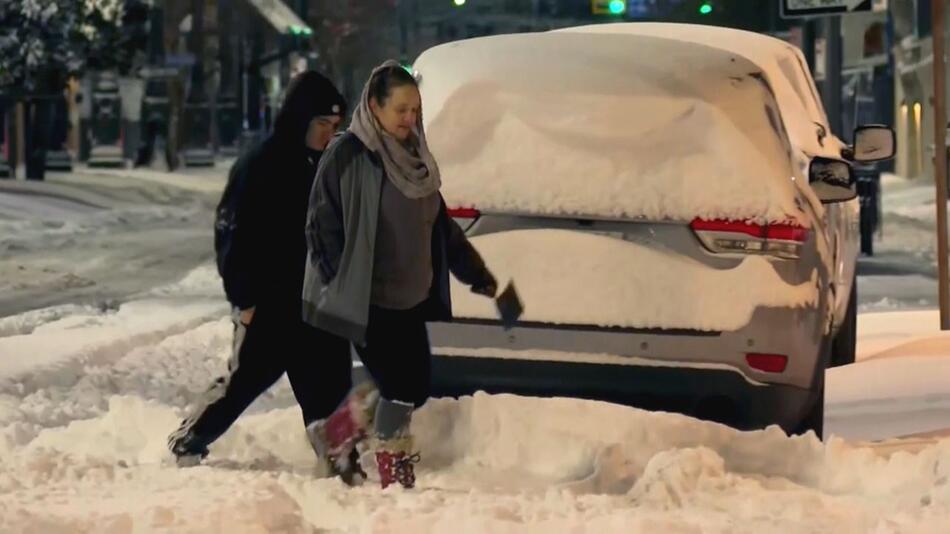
<point x="465" y="217"/>
<point x="783" y="240"/>
<point x="768" y="363"/>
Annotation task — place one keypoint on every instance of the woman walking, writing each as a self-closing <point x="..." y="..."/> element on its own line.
<point x="381" y="246"/>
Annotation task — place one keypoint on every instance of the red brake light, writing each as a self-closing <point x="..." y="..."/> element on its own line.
<point x="465" y="217"/>
<point x="464" y="213"/>
<point x="769" y="363"/>
<point x="719" y="225"/>
<point x="786" y="232"/>
<point x="779" y="232"/>
<point x="783" y="240"/>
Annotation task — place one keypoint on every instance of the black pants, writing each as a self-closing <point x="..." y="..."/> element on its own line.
<point x="317" y="363"/>
<point x="397" y="354"/>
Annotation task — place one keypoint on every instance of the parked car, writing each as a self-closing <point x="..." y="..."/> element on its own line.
<point x="670" y="203"/>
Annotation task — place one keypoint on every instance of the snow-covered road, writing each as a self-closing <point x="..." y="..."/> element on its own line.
<point x="90" y="390"/>
<point x="97" y="238"/>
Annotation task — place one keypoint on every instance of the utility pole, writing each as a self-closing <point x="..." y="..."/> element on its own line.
<point x="831" y="94"/>
<point x="173" y="14"/>
<point x="940" y="157"/>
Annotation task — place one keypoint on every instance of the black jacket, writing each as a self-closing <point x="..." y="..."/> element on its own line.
<point x="259" y="224"/>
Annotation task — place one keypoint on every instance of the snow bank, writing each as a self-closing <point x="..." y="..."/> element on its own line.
<point x="671" y="131"/>
<point x="202" y="281"/>
<point x="73" y="342"/>
<point x="112" y="474"/>
<point x="25" y="323"/>
<point x="571" y="277"/>
<point x="491" y="464"/>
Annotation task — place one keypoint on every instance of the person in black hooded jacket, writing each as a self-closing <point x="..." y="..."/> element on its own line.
<point x="261" y="252"/>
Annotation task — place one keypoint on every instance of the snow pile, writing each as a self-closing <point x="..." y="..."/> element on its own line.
<point x="571" y="277"/>
<point x="25" y="323"/>
<point x="174" y="371"/>
<point x="672" y="131"/>
<point x="491" y="464"/>
<point x="202" y="281"/>
<point x="81" y="339"/>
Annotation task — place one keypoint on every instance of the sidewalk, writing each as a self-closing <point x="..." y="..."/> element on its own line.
<point x="199" y="179"/>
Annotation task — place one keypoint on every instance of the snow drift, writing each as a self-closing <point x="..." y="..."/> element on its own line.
<point x="491" y="464"/>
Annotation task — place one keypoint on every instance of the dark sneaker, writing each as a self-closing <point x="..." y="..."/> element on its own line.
<point x="187" y="449"/>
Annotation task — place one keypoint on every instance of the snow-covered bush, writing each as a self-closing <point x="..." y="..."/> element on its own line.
<point x="42" y="41"/>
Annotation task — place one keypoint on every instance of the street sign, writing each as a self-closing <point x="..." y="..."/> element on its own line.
<point x="817" y="8"/>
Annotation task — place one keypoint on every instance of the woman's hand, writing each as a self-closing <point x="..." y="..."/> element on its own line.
<point x="487" y="287"/>
<point x="247" y="316"/>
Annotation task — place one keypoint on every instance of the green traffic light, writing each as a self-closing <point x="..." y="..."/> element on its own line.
<point x="459" y="3"/>
<point x="705" y="9"/>
<point x="617" y="7"/>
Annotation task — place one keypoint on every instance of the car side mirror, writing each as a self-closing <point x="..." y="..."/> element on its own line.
<point x="832" y="180"/>
<point x="873" y="143"/>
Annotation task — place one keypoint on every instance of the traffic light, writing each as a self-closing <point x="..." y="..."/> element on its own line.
<point x="458" y="3"/>
<point x="608" y="7"/>
<point x="706" y="8"/>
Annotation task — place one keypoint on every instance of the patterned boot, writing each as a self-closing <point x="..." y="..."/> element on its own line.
<point x="335" y="438"/>
<point x="395" y="462"/>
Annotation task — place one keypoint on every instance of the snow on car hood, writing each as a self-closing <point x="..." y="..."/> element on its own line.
<point x="567" y="277"/>
<point x="615" y="125"/>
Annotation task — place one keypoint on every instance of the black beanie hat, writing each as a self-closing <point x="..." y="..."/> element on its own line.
<point x="309" y="95"/>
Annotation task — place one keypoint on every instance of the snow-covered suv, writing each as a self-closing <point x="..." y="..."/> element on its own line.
<point x="672" y="208"/>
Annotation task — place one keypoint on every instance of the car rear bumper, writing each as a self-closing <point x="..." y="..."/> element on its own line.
<point x="713" y="394"/>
